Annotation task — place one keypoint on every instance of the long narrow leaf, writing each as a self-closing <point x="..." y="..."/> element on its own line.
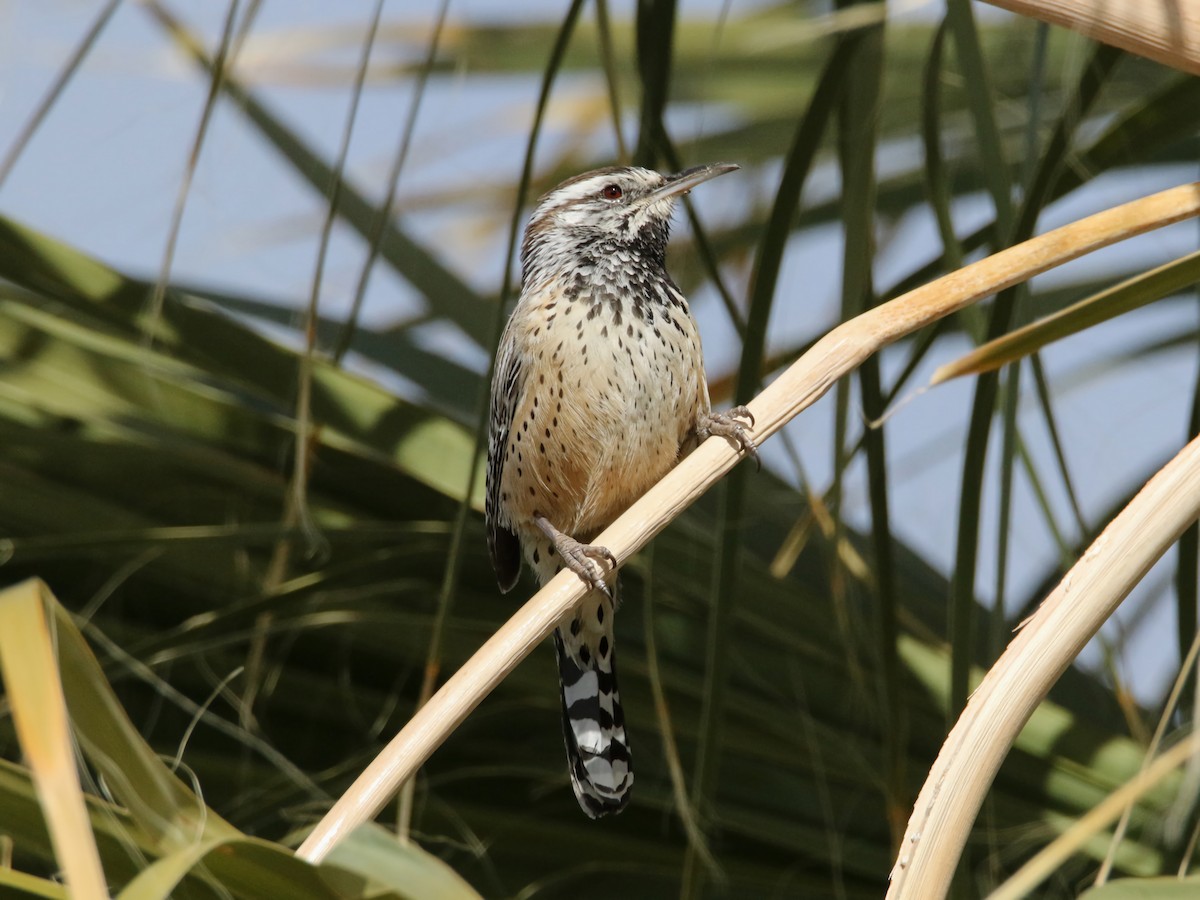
<point x="1122" y="298"/>
<point x="39" y="710"/>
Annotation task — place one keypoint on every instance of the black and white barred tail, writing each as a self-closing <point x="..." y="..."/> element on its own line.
<point x="593" y="722"/>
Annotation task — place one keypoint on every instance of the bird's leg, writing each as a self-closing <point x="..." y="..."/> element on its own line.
<point x="582" y="559"/>
<point x="726" y="425"/>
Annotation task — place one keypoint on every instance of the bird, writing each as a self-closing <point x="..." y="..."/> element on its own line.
<point x="598" y="390"/>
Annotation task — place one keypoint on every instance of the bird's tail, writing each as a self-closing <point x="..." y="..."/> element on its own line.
<point x="593" y="721"/>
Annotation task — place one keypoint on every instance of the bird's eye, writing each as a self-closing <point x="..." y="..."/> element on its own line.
<point x="611" y="192"/>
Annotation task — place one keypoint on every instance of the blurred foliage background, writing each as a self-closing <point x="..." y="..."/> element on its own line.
<point x="239" y="434"/>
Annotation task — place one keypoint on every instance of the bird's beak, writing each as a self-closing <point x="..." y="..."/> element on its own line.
<point x="684" y="181"/>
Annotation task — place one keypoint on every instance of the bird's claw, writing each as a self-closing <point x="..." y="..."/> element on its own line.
<point x="585" y="560"/>
<point x="726" y="425"/>
<point x="740" y="412"/>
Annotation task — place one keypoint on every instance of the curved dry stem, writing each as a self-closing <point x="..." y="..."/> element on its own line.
<point x="1166" y="31"/>
<point x="841" y="351"/>
<point x="1047" y="644"/>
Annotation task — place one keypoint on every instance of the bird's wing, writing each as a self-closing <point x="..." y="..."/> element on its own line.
<point x="503" y="545"/>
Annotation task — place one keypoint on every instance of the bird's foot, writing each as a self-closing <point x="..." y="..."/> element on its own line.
<point x="585" y="560"/>
<point x="726" y="425"/>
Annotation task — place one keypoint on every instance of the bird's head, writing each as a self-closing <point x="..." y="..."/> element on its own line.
<point x="620" y="208"/>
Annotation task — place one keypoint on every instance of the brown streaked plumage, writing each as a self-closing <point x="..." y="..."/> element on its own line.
<point x="599" y="388"/>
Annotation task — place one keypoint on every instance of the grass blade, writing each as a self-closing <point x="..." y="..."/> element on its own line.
<point x="35" y="694"/>
<point x="451" y="296"/>
<point x="74" y="62"/>
<point x="1122" y="298"/>
<point x="655" y="39"/>
<point x="857" y="146"/>
<point x="22" y="885"/>
<point x="983" y="403"/>
<point x="800" y="158"/>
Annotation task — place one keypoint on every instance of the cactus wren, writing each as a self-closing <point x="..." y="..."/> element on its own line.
<point x="599" y="388"/>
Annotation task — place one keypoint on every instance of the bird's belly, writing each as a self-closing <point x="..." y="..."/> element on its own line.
<point x="602" y="421"/>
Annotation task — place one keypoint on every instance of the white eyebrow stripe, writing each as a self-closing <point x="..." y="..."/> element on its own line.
<point x="590" y="185"/>
<point x="587" y="188"/>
